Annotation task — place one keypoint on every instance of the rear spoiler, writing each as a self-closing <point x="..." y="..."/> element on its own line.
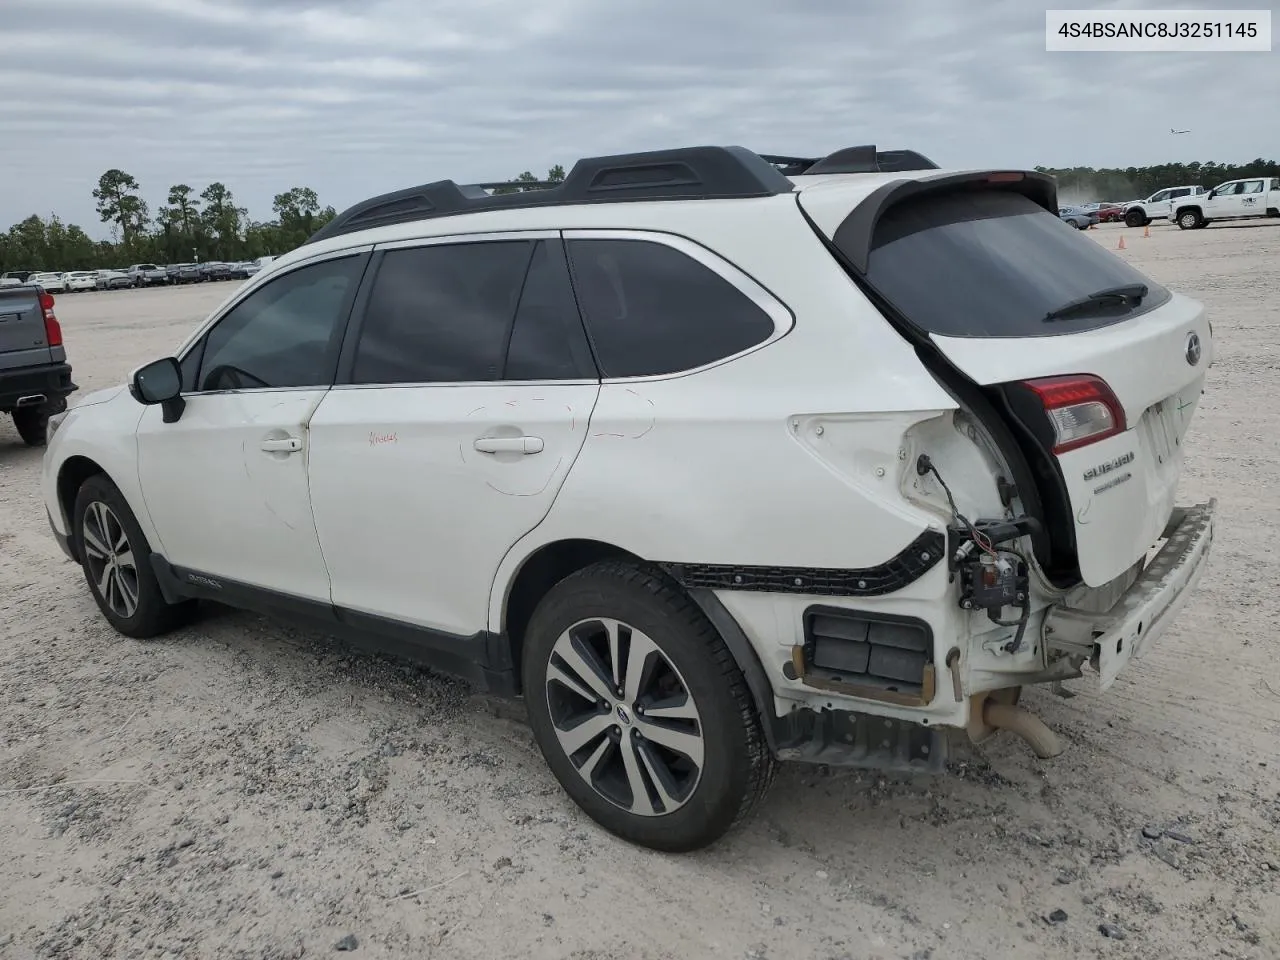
<point x="856" y="231"/>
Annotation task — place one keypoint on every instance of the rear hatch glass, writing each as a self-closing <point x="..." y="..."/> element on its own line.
<point x="996" y="264"/>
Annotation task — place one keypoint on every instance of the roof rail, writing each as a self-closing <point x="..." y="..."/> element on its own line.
<point x="689" y="173"/>
<point x="864" y="159"/>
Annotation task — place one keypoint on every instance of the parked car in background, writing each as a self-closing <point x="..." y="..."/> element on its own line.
<point x="35" y="377"/>
<point x="14" y="278"/>
<point x="1234" y="200"/>
<point x="215" y="270"/>
<point x="52" y="282"/>
<point x="79" y="280"/>
<point x="241" y="270"/>
<point x="1158" y="206"/>
<point x="1110" y="212"/>
<point x="1078" y="217"/>
<point x="148" y="274"/>
<point x="113" y="279"/>
<point x="185" y="273"/>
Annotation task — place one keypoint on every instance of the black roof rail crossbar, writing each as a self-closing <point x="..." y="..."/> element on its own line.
<point x="789" y="166"/>
<point x="517" y="185"/>
<point x="864" y="159"/>
<point x="689" y="173"/>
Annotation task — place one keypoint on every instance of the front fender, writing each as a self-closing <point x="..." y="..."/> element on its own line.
<point x="104" y="433"/>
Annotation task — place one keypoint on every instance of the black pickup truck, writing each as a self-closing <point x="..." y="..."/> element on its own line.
<point x="35" y="377"/>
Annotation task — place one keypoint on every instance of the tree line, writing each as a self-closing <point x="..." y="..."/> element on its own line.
<point x="1085" y="184"/>
<point x="210" y="225"/>
<point x="190" y="226"/>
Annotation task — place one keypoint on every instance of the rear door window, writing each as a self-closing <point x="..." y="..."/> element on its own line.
<point x="651" y="309"/>
<point x="994" y="264"/>
<point x="441" y="313"/>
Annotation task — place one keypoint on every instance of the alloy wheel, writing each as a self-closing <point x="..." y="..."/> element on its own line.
<point x="625" y="717"/>
<point x="110" y="559"/>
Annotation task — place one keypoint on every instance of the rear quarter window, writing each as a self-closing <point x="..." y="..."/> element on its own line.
<point x="994" y="264"/>
<point x="652" y="310"/>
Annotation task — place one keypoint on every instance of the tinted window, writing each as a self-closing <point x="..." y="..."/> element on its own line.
<point x="547" y="342"/>
<point x="1253" y="186"/>
<point x="441" y="314"/>
<point x="651" y="309"/>
<point x="1163" y="195"/>
<point x="284" y="334"/>
<point x="1228" y="189"/>
<point x="993" y="264"/>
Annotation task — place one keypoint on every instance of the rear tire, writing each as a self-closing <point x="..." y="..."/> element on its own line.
<point x="640" y="647"/>
<point x="116" y="559"/>
<point x="32" y="424"/>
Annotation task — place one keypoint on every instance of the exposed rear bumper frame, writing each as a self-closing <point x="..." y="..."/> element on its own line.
<point x="1110" y="640"/>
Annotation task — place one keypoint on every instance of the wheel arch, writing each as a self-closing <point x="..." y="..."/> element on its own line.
<point x="515" y="596"/>
<point x="72" y="474"/>
<point x="551" y="562"/>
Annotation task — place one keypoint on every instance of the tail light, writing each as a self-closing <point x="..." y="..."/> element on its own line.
<point x="52" y="329"/>
<point x="1081" y="408"/>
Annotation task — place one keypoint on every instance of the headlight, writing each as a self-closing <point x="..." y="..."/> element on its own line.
<point x="55" y="422"/>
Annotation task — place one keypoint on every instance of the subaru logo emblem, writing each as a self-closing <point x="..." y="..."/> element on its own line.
<point x="1193" y="348"/>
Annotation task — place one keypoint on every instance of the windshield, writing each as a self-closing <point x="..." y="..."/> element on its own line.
<point x="996" y="264"/>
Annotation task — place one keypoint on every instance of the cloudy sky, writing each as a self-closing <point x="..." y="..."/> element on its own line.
<point x="356" y="98"/>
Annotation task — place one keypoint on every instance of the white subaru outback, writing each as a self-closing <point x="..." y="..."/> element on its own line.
<point x="716" y="459"/>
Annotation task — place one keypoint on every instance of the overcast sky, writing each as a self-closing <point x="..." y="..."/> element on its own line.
<point x="356" y="98"/>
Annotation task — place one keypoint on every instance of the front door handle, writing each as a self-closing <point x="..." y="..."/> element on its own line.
<point x="525" y="445"/>
<point x="282" y="445"/>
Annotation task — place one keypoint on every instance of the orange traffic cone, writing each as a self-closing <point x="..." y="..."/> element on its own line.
<point x="1146" y="232"/>
<point x="1120" y="246"/>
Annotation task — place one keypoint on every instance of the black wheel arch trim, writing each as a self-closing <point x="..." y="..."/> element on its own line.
<point x="744" y="654"/>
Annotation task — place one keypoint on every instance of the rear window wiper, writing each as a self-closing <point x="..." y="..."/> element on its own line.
<point x="1129" y="295"/>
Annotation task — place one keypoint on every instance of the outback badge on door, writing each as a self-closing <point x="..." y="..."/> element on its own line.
<point x="1193" y="348"/>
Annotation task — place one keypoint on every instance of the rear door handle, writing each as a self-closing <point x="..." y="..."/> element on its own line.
<point x="525" y="445"/>
<point x="282" y="445"/>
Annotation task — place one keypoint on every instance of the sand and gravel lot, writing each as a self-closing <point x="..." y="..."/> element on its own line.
<point x="244" y="789"/>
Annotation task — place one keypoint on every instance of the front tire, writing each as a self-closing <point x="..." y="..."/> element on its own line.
<point x="640" y="709"/>
<point x="1135" y="218"/>
<point x="116" y="559"/>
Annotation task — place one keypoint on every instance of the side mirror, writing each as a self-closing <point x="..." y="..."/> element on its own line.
<point x="160" y="382"/>
<point x="1212" y="194"/>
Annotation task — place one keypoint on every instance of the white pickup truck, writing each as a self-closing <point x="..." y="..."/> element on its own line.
<point x="1158" y="206"/>
<point x="1233" y="200"/>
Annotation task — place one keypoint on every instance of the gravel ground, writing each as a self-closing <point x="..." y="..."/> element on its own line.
<point x="244" y="789"/>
